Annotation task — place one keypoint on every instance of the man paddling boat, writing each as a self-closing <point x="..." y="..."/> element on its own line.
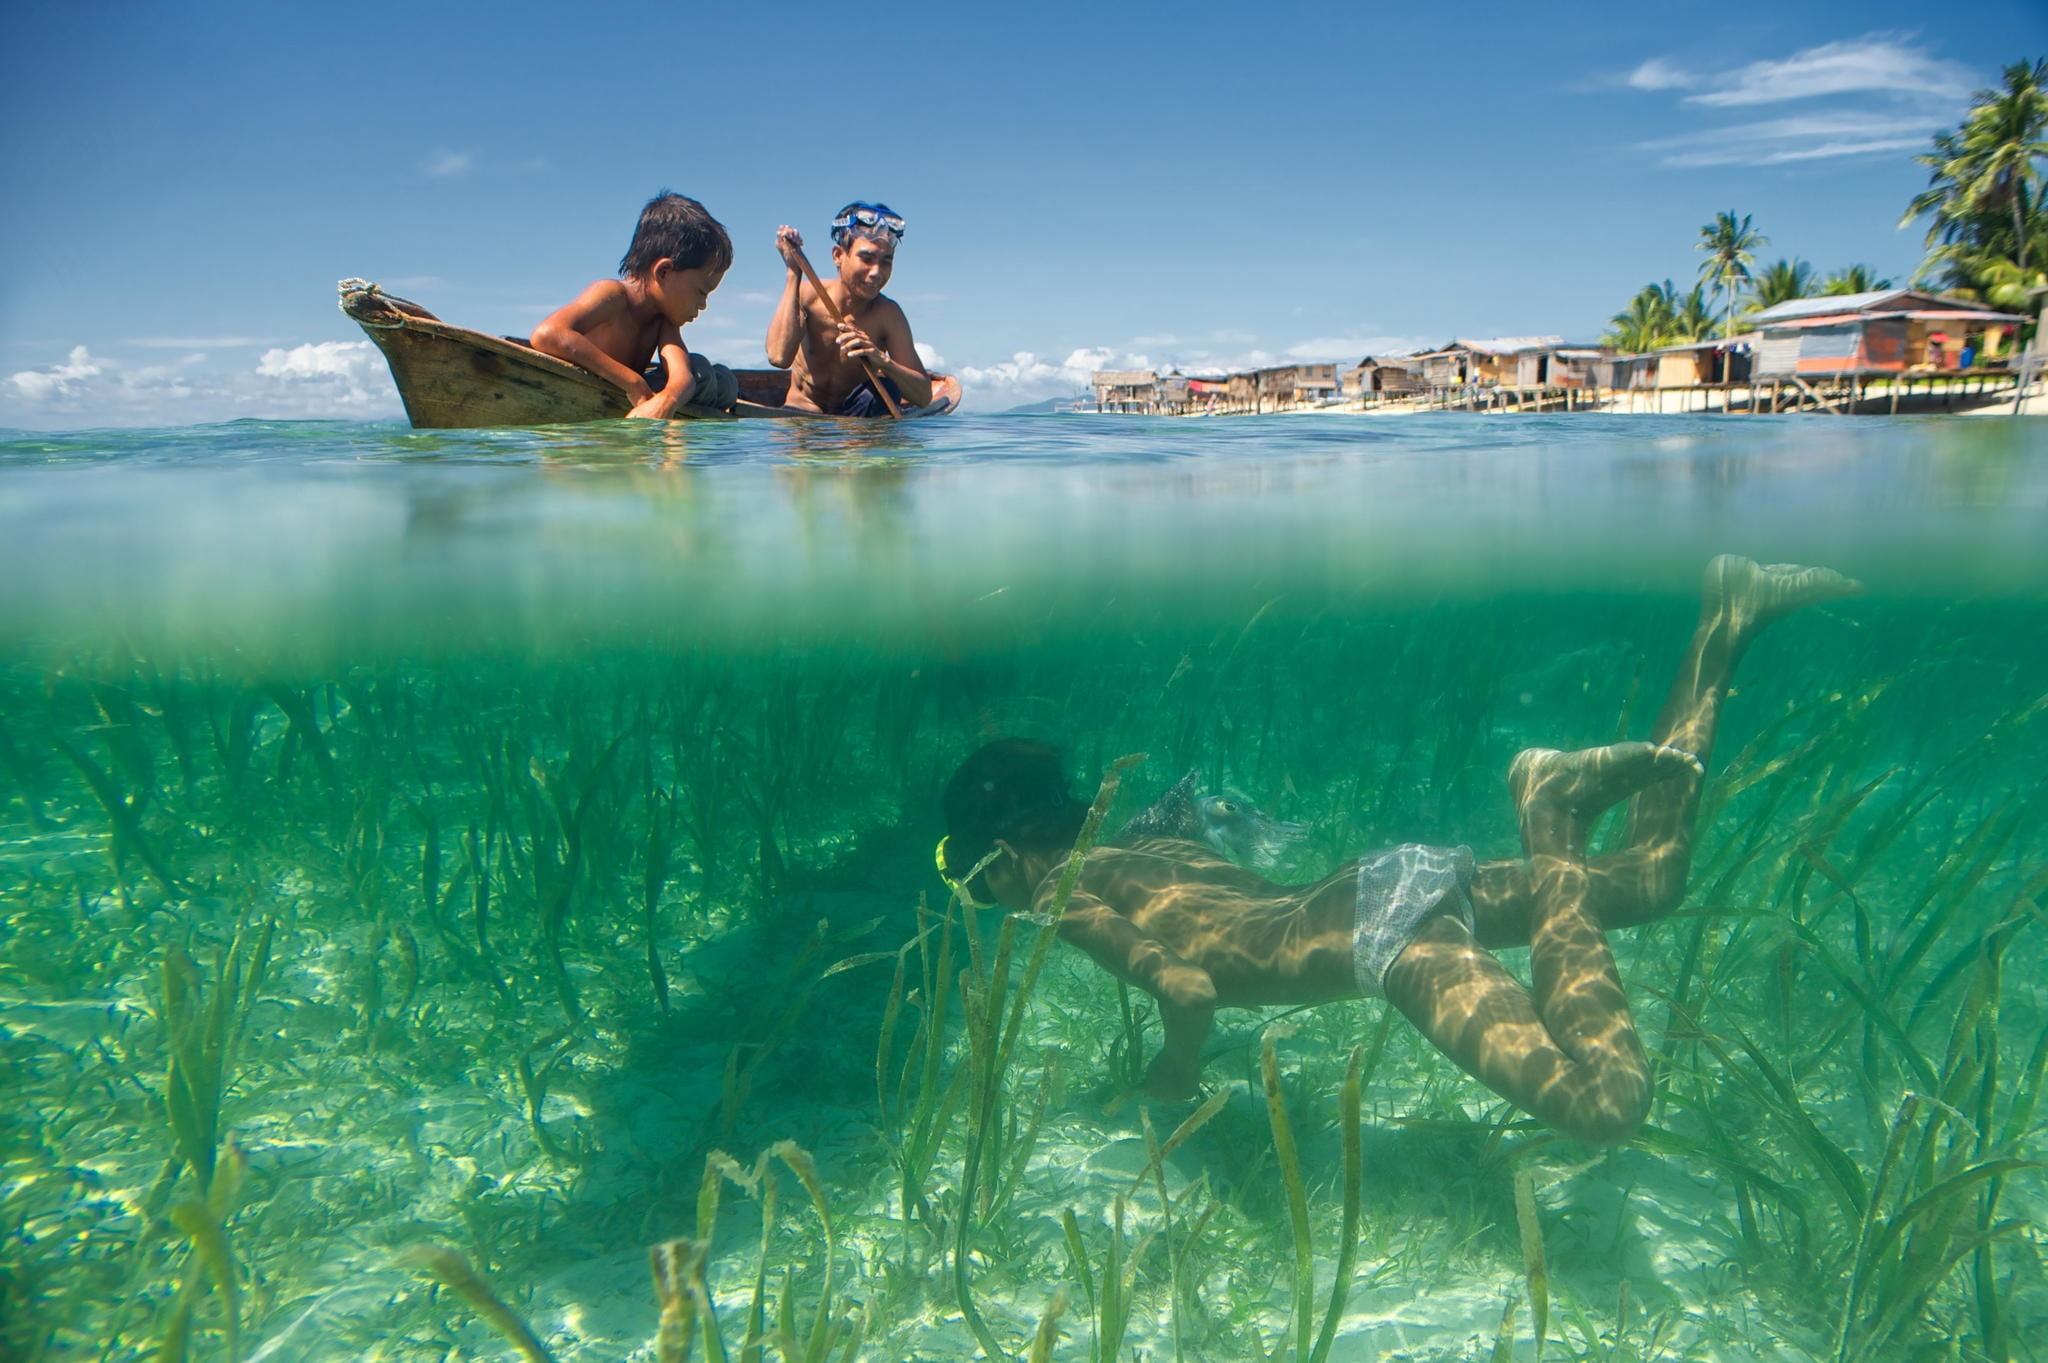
<point x="848" y="349"/>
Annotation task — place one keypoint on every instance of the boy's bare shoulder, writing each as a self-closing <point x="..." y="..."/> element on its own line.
<point x="609" y="293"/>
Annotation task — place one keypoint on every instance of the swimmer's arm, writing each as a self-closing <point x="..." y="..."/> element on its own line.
<point x="1124" y="950"/>
<point x="564" y="335"/>
<point x="681" y="382"/>
<point x="1186" y="994"/>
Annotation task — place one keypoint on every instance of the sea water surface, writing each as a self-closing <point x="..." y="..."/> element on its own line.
<point x="438" y="868"/>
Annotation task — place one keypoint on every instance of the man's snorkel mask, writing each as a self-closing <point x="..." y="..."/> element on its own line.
<point x="866" y="220"/>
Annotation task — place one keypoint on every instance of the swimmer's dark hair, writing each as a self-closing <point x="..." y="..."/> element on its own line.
<point x="1013" y="789"/>
<point x="680" y="229"/>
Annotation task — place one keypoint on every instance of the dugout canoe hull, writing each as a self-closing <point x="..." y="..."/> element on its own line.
<point x="450" y="377"/>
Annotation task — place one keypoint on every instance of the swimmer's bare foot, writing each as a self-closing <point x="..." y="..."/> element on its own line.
<point x="1749" y="595"/>
<point x="1586" y="783"/>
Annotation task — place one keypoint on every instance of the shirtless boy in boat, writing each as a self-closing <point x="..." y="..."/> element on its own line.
<point x="1158" y="907"/>
<point x="617" y="327"/>
<point x="828" y="359"/>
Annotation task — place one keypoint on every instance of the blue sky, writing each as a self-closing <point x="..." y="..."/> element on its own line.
<point x="1086" y="184"/>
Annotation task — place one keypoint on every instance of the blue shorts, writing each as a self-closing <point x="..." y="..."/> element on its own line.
<point x="1398" y="891"/>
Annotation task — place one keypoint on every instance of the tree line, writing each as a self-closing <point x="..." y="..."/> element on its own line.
<point x="1987" y="233"/>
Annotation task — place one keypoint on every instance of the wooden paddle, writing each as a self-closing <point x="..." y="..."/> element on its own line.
<point x="874" y="370"/>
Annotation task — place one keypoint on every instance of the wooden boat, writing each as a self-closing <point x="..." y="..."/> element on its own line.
<point x="450" y="376"/>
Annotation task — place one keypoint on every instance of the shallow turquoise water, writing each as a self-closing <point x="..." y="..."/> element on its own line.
<point x="565" y="766"/>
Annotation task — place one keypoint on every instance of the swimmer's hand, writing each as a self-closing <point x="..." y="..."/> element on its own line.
<point x="1168" y="1080"/>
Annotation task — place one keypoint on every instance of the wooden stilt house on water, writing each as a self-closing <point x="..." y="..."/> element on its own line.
<point x="1384" y="377"/>
<point x="1690" y="364"/>
<point x="1126" y="390"/>
<point x="1295" y="385"/>
<point x="1559" y="366"/>
<point x="1493" y="363"/>
<point x="1887" y="331"/>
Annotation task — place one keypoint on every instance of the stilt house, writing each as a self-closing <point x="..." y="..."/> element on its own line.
<point x="1892" y="331"/>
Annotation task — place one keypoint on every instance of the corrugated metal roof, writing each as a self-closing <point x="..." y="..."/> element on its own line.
<point x="1964" y="315"/>
<point x="1717" y="343"/>
<point x="1836" y="319"/>
<point x="1872" y="302"/>
<point x="1841" y="302"/>
<point x="1509" y="345"/>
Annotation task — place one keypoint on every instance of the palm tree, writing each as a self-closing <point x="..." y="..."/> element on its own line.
<point x="1782" y="281"/>
<point x="1694" y="320"/>
<point x="1854" y="279"/>
<point x="1647" y="323"/>
<point x="1982" y="200"/>
<point x="1731" y="248"/>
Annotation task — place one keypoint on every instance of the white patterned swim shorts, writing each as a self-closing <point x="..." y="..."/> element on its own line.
<point x="1398" y="890"/>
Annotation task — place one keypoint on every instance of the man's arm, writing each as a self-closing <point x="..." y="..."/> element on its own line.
<point x="890" y="349"/>
<point x="563" y="336"/>
<point x="786" y="327"/>
<point x="681" y="382"/>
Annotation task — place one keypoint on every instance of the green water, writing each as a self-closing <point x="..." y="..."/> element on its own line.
<point x="343" y="923"/>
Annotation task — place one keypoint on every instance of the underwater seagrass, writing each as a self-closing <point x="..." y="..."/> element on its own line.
<point x="509" y="826"/>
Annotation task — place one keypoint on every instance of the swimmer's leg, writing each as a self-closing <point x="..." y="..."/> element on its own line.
<point x="1567" y="1052"/>
<point x="1646" y="879"/>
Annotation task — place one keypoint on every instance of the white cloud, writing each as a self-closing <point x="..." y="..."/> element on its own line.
<point x="1658" y="74"/>
<point x="62" y="379"/>
<point x="317" y="360"/>
<point x="1028" y="377"/>
<point x="315" y="380"/>
<point x="444" y="163"/>
<point x="929" y="356"/>
<point x="1778" y="141"/>
<point x="346" y="377"/>
<point x="1876" y="63"/>
<point x="1881" y="94"/>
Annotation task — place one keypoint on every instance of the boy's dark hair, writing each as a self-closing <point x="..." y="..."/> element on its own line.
<point x="1012" y="789"/>
<point x="678" y="228"/>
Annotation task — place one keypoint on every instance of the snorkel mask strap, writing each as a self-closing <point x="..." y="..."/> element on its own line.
<point x="959" y="886"/>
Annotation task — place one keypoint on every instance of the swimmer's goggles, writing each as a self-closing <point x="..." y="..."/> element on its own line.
<point x="959" y="887"/>
<point x="868" y="215"/>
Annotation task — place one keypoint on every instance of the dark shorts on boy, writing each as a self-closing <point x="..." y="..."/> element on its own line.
<point x="865" y="401"/>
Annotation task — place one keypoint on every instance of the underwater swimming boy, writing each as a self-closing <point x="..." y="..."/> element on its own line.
<point x="617" y="327"/>
<point x="828" y="358"/>
<point x="1159" y="908"/>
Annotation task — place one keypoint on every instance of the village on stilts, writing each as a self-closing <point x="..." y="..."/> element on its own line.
<point x="1881" y="351"/>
